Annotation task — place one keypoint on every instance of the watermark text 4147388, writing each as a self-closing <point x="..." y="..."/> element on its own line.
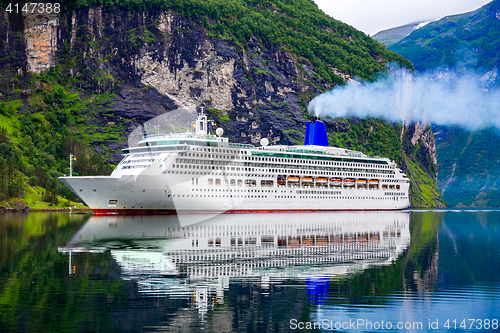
<point x="34" y="8"/>
<point x="364" y="324"/>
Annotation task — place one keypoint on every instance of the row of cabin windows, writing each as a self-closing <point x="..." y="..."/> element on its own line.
<point x="142" y="160"/>
<point x="267" y="183"/>
<point x="262" y="196"/>
<point x="239" y="182"/>
<point x="254" y="158"/>
<point x="305" y="172"/>
<point x="314" y="173"/>
<point x="394" y="193"/>
<point x="226" y="230"/>
<point x="196" y="164"/>
<point x="282" y="160"/>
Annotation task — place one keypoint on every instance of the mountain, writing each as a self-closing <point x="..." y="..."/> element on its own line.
<point x="394" y="35"/>
<point x="80" y="80"/>
<point x="469" y="166"/>
<point x="464" y="41"/>
<point x="468" y="161"/>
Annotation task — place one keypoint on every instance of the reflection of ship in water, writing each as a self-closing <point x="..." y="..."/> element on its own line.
<point x="262" y="248"/>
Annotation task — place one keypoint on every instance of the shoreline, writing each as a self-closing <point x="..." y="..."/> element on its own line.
<point x="41" y="210"/>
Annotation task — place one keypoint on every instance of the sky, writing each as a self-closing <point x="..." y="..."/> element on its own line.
<point x="372" y="16"/>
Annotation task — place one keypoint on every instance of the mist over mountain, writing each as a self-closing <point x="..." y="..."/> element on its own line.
<point x="457" y="48"/>
<point x="401" y="96"/>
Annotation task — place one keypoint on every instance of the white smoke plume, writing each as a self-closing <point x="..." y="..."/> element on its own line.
<point x="439" y="98"/>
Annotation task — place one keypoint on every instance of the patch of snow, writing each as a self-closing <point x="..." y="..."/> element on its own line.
<point x="418" y="26"/>
<point x="422" y="24"/>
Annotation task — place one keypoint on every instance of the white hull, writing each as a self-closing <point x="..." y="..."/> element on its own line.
<point x="160" y="194"/>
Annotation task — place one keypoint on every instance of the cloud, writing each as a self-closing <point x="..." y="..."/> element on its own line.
<point x="441" y="98"/>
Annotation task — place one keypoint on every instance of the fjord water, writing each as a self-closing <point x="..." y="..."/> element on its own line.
<point x="65" y="272"/>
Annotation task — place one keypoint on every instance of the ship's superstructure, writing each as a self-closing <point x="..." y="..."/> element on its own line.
<point x="199" y="172"/>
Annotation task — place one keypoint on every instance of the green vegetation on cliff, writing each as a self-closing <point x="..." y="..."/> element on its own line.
<point x="35" y="143"/>
<point x="296" y="25"/>
<point x="374" y="137"/>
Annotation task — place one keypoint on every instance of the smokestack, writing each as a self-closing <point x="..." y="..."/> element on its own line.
<point x="316" y="133"/>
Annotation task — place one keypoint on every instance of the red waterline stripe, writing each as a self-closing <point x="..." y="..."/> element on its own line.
<point x="236" y="211"/>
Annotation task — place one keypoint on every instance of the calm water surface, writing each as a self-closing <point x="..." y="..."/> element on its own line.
<point x="418" y="271"/>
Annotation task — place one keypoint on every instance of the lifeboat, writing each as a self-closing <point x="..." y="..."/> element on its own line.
<point x="321" y="182"/>
<point x="293" y="179"/>
<point x="373" y="182"/>
<point x="335" y="240"/>
<point x="361" y="183"/>
<point x="307" y="179"/>
<point x="335" y="181"/>
<point x="321" y="240"/>
<point x="308" y="241"/>
<point x="349" y="182"/>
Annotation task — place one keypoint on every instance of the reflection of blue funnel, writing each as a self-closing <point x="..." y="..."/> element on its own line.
<point x="317" y="289"/>
<point x="316" y="133"/>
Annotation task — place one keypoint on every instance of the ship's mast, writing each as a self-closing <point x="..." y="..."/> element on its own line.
<point x="202" y="123"/>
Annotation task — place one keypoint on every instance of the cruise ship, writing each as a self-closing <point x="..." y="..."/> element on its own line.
<point x="198" y="172"/>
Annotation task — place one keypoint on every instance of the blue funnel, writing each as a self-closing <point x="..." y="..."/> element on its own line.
<point x="316" y="133"/>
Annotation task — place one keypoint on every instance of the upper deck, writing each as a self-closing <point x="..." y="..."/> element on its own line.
<point x="215" y="149"/>
<point x="188" y="141"/>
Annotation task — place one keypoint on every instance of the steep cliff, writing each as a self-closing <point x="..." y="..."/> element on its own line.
<point x="91" y="75"/>
<point x="420" y="164"/>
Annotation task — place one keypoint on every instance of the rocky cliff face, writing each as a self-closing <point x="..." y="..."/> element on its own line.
<point x="422" y="144"/>
<point x="159" y="61"/>
<point x="420" y="164"/>
<point x="151" y="63"/>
